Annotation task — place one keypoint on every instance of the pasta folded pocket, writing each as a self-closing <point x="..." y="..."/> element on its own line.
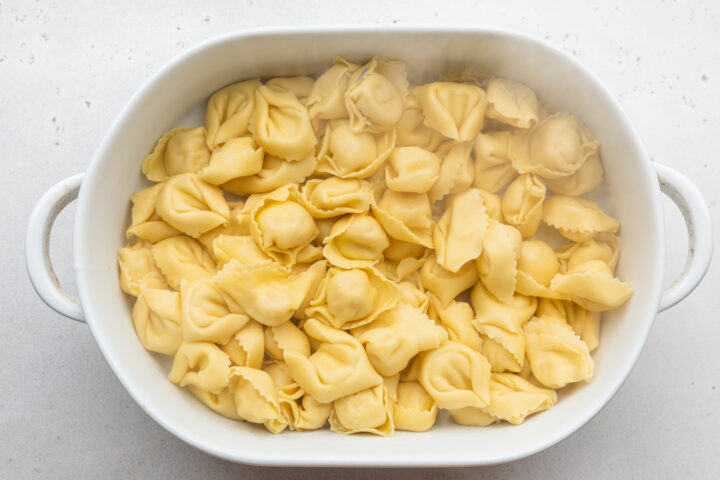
<point x="275" y="173"/>
<point x="592" y="286"/>
<point x="584" y="180"/>
<point x="455" y="376"/>
<point x="337" y="368"/>
<point x="355" y="241"/>
<point x="457" y="319"/>
<point x="402" y="259"/>
<point x="327" y="97"/>
<point x="557" y="147"/>
<point x="334" y="196"/>
<point x="522" y="204"/>
<point x="201" y="364"/>
<point x="157" y="319"/>
<point x="493" y="170"/>
<point x="145" y="222"/>
<point x="456" y="170"/>
<point x="444" y="283"/>
<point x="404" y="216"/>
<point x="500" y="324"/>
<point x="412" y="169"/>
<point x="208" y="313"/>
<point x="181" y="150"/>
<point x="256" y="398"/>
<point x="346" y="153"/>
<point x="352" y="298"/>
<point x="285" y="337"/>
<point x="238" y="157"/>
<point x="222" y="403"/>
<point x="246" y="348"/>
<point x="192" y="205"/>
<point x="456" y="110"/>
<point x="537" y="265"/>
<point x="228" y="112"/>
<point x="376" y="94"/>
<point x="396" y="336"/>
<point x="585" y="323"/>
<point x="602" y="246"/>
<point x="512" y="103"/>
<point x="268" y="292"/>
<point x="458" y="235"/>
<point x="577" y="218"/>
<point x="182" y="258"/>
<point x="138" y="268"/>
<point x="498" y="264"/>
<point x="301" y="411"/>
<point x="280" y="124"/>
<point x="556" y="354"/>
<point x="413" y="409"/>
<point x="411" y="129"/>
<point x="367" y="411"/>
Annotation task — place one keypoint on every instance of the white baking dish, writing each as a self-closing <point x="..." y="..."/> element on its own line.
<point x="176" y="95"/>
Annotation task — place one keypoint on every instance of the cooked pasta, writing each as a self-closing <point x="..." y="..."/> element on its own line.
<point x="353" y="251"/>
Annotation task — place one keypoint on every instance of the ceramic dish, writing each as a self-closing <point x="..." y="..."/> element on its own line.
<point x="176" y="95"/>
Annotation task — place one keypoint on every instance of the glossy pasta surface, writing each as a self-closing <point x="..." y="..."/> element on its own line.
<point x="355" y="252"/>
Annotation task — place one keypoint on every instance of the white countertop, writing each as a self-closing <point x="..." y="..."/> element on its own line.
<point x="67" y="68"/>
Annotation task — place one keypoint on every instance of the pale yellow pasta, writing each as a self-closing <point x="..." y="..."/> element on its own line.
<point x="556" y="147"/>
<point x="268" y="292"/>
<point x="493" y="170"/>
<point x="355" y="241"/>
<point x="512" y="103"/>
<point x="368" y="411"/>
<point x="182" y="258"/>
<point x="458" y="235"/>
<point x="228" y="112"/>
<point x="500" y="324"/>
<point x="456" y="170"/>
<point x="182" y="150"/>
<point x="146" y="223"/>
<point x="376" y="94"/>
<point x="202" y="364"/>
<point x="157" y="319"/>
<point x="522" y="204"/>
<point x="455" y="376"/>
<point x="411" y="129"/>
<point x="497" y="266"/>
<point x="280" y="124"/>
<point x="577" y="218"/>
<point x="275" y="173"/>
<point x="346" y="249"/>
<point x="456" y="110"/>
<point x="445" y="284"/>
<point x="256" y="399"/>
<point x="137" y="268"/>
<point x="338" y="367"/>
<point x="396" y="336"/>
<point x="404" y="216"/>
<point x="556" y="354"/>
<point x="352" y="298"/>
<point x="208" y="313"/>
<point x="247" y="347"/>
<point x="412" y="169"/>
<point x="346" y="153"/>
<point x="238" y="157"/>
<point x="332" y="197"/>
<point x="192" y="205"/>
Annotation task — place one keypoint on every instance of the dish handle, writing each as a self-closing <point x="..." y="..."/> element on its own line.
<point x="688" y="199"/>
<point x="37" y="247"/>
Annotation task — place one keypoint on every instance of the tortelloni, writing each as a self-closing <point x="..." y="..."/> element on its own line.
<point x="192" y="205"/>
<point x="455" y="376"/>
<point x="412" y="169"/>
<point x="346" y="153"/>
<point x="512" y="103"/>
<point x="349" y="250"/>
<point x="577" y="218"/>
<point x="228" y="112"/>
<point x="405" y="216"/>
<point x="458" y="236"/>
<point x="182" y="150"/>
<point x="351" y="298"/>
<point x="337" y="368"/>
<point x="454" y="109"/>
<point x="493" y="170"/>
<point x="368" y="411"/>
<point x="522" y="204"/>
<point x="556" y="147"/>
<point x="376" y="94"/>
<point x="396" y="336"/>
<point x="501" y="325"/>
<point x="280" y="124"/>
<point x="355" y="241"/>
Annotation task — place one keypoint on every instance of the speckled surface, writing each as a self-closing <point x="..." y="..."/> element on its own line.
<point x="67" y="68"/>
